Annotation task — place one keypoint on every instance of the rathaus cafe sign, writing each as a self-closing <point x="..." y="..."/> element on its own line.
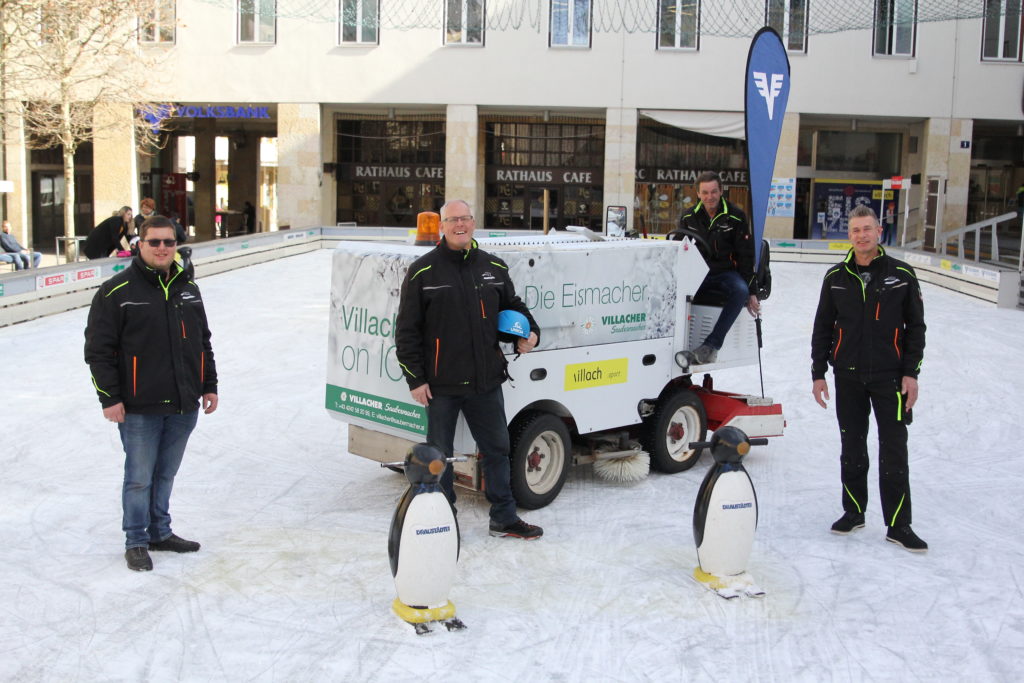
<point x="687" y="176"/>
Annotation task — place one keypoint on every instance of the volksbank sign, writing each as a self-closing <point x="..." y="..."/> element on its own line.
<point x="241" y="111"/>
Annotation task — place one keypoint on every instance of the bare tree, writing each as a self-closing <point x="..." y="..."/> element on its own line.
<point x="67" y="62"/>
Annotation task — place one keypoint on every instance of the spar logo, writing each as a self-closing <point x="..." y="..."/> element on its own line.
<point x="344" y="397"/>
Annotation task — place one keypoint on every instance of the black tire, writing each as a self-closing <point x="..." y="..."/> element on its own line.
<point x="678" y="420"/>
<point x="546" y="436"/>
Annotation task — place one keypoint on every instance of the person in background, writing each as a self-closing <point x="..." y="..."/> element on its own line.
<point x="249" y="211"/>
<point x="147" y="208"/>
<point x="112" y="234"/>
<point x="13" y="252"/>
<point x="147" y="343"/>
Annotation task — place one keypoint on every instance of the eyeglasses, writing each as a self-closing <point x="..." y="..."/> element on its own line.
<point x="457" y="219"/>
<point x="157" y="243"/>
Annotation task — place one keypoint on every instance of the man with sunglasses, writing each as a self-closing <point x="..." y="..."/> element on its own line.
<point x="447" y="346"/>
<point x="147" y="344"/>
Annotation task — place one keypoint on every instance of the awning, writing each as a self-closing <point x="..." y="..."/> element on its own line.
<point x="724" y="124"/>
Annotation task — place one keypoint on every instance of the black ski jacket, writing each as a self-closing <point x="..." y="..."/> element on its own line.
<point x="447" y="326"/>
<point x="147" y="342"/>
<point x="106" y="237"/>
<point x="724" y="240"/>
<point x="870" y="321"/>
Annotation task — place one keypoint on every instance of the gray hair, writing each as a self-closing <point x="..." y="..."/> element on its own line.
<point x="444" y="207"/>
<point x="863" y="211"/>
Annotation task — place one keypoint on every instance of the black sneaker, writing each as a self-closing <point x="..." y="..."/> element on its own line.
<point x="905" y="536"/>
<point x="138" y="559"/>
<point x="175" y="544"/>
<point x="517" y="529"/>
<point x="848" y="522"/>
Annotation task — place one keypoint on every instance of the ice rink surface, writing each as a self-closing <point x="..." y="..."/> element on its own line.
<point x="293" y="580"/>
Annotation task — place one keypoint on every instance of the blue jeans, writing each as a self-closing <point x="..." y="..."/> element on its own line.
<point x="485" y="415"/>
<point x="153" y="447"/>
<point x="729" y="286"/>
<point x="20" y="260"/>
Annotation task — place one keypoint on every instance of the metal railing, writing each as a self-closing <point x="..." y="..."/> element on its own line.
<point x="977" y="229"/>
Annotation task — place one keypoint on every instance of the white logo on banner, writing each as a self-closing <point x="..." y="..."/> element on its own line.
<point x="769" y="93"/>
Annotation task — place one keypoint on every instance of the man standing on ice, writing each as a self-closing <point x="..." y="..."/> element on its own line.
<point x="447" y="346"/>
<point x="147" y="344"/>
<point x="870" y="327"/>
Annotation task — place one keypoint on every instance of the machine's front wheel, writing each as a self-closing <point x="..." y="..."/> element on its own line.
<point x="678" y="420"/>
<point x="541" y="454"/>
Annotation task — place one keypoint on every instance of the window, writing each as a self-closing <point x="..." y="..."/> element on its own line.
<point x="895" y="24"/>
<point x="1002" y="34"/>
<point x="678" y="24"/>
<point x="789" y="19"/>
<point x="156" y="24"/>
<point x="358" y="21"/>
<point x="570" y="23"/>
<point x="257" y="22"/>
<point x="464" y="22"/>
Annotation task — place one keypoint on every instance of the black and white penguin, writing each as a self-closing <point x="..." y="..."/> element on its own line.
<point x="725" y="517"/>
<point x="423" y="545"/>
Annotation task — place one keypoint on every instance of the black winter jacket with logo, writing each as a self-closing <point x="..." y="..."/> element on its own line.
<point x="447" y="326"/>
<point x="724" y="240"/>
<point x="147" y="342"/>
<point x="870" y="321"/>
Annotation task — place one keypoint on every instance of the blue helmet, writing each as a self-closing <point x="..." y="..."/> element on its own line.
<point x="512" y="325"/>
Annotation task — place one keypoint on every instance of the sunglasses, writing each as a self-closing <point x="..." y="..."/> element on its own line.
<point x="157" y="243"/>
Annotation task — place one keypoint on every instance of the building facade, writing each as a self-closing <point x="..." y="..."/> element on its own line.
<point x="565" y="118"/>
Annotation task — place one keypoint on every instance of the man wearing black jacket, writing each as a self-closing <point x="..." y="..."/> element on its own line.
<point x="147" y="344"/>
<point x="447" y="346"/>
<point x="723" y="238"/>
<point x="870" y="327"/>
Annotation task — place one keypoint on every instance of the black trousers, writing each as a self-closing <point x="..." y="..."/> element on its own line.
<point x="485" y="415"/>
<point x="855" y="399"/>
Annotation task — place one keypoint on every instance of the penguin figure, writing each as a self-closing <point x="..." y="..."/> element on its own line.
<point x="423" y="545"/>
<point x="725" y="517"/>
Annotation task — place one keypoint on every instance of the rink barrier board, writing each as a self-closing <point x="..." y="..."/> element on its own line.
<point x="26" y="295"/>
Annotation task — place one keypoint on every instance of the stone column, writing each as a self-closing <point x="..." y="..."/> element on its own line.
<point x="115" y="171"/>
<point x="620" y="162"/>
<point x="204" y="195"/>
<point x="17" y="202"/>
<point x="461" y="180"/>
<point x="299" y="165"/>
<point x="785" y="167"/>
<point x="244" y="173"/>
<point x="946" y="160"/>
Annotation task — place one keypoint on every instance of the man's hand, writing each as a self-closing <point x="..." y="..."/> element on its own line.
<point x="114" y="413"/>
<point x="526" y="345"/>
<point x="421" y="394"/>
<point x="753" y="305"/>
<point x="209" y="403"/>
<point x="909" y="388"/>
<point x="820" y="391"/>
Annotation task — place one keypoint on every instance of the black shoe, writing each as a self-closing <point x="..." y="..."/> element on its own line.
<point x="848" y="522"/>
<point x="517" y="529"/>
<point x="138" y="559"/>
<point x="175" y="545"/>
<point x="905" y="536"/>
